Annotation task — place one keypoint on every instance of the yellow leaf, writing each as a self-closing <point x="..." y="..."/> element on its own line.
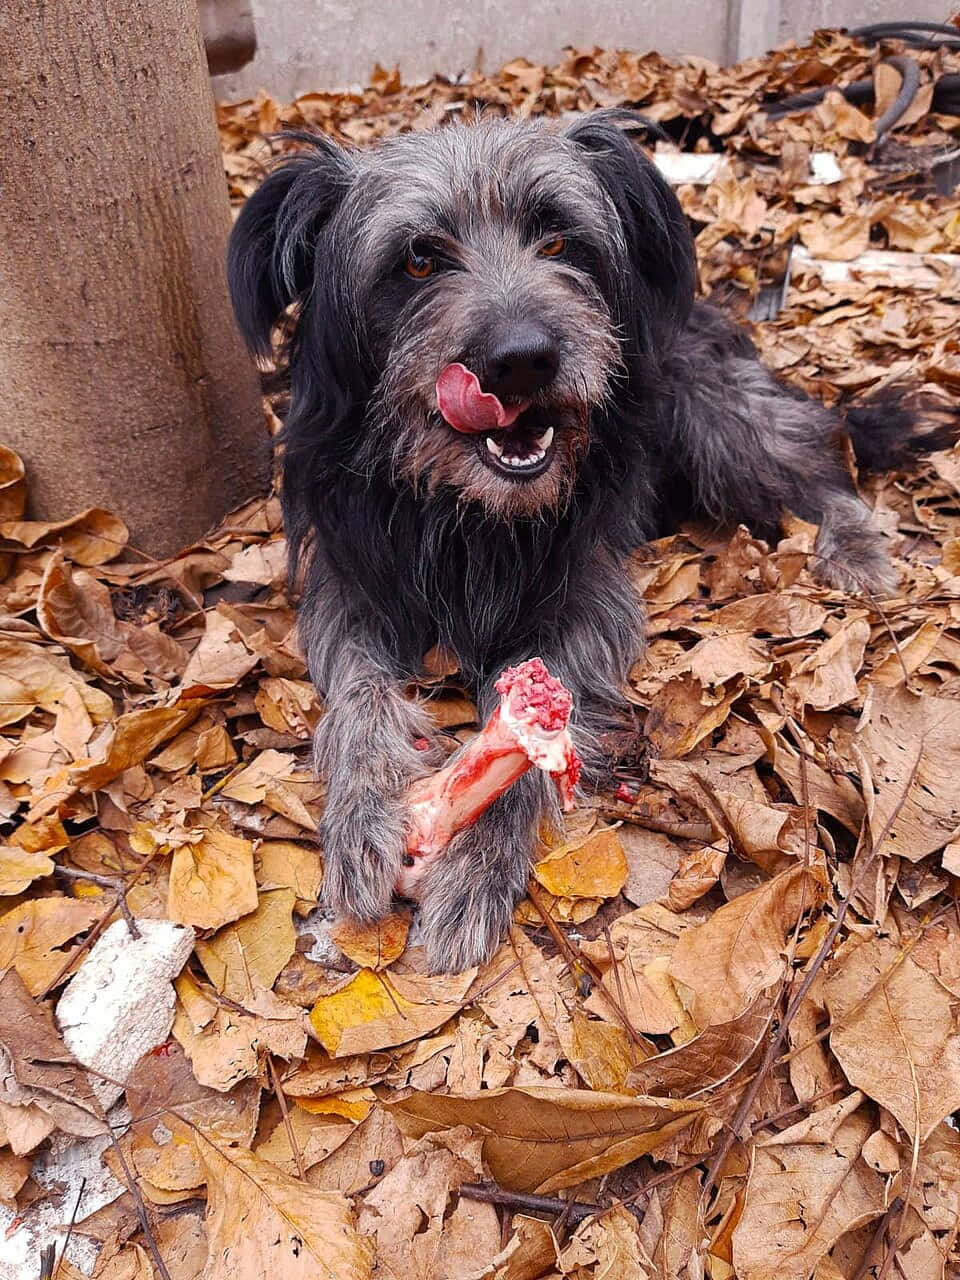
<point x="592" y="868"/>
<point x="372" y="1012"/>
<point x="33" y="937"/>
<point x="250" y="954"/>
<point x="352" y="1104"/>
<point x="18" y="868"/>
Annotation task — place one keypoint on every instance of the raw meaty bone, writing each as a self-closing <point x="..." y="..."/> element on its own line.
<point x="527" y="730"/>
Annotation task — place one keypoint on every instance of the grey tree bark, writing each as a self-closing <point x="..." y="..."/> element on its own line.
<point x="123" y="382"/>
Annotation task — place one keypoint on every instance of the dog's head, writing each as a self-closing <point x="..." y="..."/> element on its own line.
<point x="464" y="298"/>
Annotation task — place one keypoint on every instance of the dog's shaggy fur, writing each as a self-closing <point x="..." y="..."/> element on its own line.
<point x="407" y="532"/>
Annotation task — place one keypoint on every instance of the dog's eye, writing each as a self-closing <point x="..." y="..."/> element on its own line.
<point x="419" y="265"/>
<point x="553" y="248"/>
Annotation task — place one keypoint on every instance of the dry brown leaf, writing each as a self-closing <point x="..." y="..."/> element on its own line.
<point x="541" y="1138"/>
<point x="912" y="744"/>
<point x="828" y="677"/>
<point x="246" y="957"/>
<point x="75" y="610"/>
<point x="709" y="1059"/>
<point x="13" y="485"/>
<point x="375" y="945"/>
<point x="652" y="860"/>
<point x="35" y="934"/>
<point x="220" y="660"/>
<point x="422" y="1227"/>
<point x="261" y="1222"/>
<point x="92" y="537"/>
<point x="641" y="942"/>
<point x="212" y="882"/>
<point x="608" y="1247"/>
<point x="32" y="676"/>
<point x="697" y="872"/>
<point x="133" y="738"/>
<point x="902" y="1047"/>
<point x="808" y="1186"/>
<point x="740" y="951"/>
<point x="683" y="713"/>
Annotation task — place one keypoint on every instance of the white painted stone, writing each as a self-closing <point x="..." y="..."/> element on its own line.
<point x="119" y="1005"/>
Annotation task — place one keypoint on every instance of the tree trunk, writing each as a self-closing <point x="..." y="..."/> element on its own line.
<point x="123" y="382"/>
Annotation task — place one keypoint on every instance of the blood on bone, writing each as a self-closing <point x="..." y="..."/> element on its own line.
<point x="527" y="730"/>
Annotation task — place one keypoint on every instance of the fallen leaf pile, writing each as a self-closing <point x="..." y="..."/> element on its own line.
<point x="722" y="1038"/>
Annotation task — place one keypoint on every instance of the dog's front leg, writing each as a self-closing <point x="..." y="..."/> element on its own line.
<point x="365" y="750"/>
<point x="468" y="895"/>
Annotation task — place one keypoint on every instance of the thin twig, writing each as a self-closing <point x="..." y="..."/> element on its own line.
<point x="106" y="882"/>
<point x="876" y="1239"/>
<point x="616" y="976"/>
<point x="578" y="960"/>
<point x="287" y="1123"/>
<point x="135" y="1191"/>
<point x="98" y="928"/>
<point x="773" y="1048"/>
<point x="73" y="1220"/>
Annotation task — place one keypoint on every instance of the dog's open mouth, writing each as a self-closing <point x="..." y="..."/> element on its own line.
<point x="507" y="440"/>
<point x="520" y="452"/>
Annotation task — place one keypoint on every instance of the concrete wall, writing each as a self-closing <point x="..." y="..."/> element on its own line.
<point x="332" y="44"/>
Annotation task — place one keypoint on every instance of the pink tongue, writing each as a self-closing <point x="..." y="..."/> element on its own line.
<point x="466" y="408"/>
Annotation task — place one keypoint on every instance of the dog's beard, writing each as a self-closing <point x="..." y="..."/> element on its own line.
<point x="428" y="454"/>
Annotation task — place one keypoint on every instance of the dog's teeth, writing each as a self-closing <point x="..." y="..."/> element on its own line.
<point x="494" y="447"/>
<point x="546" y="440"/>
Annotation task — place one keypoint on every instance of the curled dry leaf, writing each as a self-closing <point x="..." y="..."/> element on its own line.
<point x="542" y="1139"/>
<point x="709" y="1059"/>
<point x="32" y="676"/>
<point x="737" y="953"/>
<point x="375" y="945"/>
<point x="13" y="485"/>
<point x="91" y="538"/>
<point x="261" y="1222"/>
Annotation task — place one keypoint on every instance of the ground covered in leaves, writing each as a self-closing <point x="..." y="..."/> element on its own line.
<point x="722" y="1038"/>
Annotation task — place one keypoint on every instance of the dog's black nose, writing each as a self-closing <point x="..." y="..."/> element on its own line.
<point x="522" y="359"/>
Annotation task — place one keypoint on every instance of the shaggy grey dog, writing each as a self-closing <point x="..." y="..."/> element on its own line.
<point x="545" y="273"/>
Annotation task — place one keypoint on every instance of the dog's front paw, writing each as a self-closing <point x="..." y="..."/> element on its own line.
<point x="468" y="897"/>
<point x="364" y="841"/>
<point x="859" y="566"/>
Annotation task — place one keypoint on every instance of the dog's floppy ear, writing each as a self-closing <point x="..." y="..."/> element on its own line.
<point x="270" y="255"/>
<point x="659" y="243"/>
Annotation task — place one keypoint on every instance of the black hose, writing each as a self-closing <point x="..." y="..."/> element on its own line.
<point x="905" y="30"/>
<point x="862" y="91"/>
<point x="910" y="73"/>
